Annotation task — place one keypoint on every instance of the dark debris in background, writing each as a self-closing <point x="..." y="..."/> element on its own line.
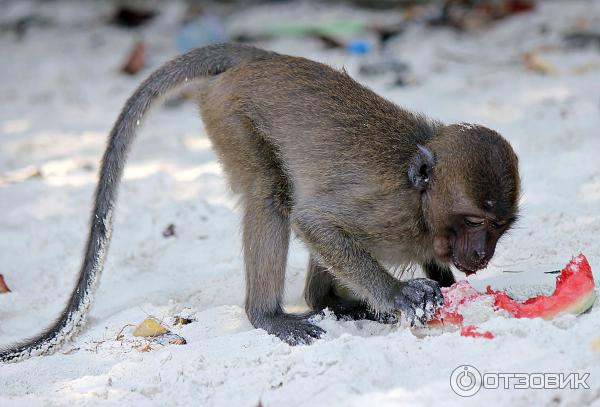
<point x="131" y="17"/>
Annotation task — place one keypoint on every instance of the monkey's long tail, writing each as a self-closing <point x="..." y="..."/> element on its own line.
<point x="201" y="62"/>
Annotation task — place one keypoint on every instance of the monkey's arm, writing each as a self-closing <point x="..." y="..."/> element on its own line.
<point x="355" y="268"/>
<point x="442" y="274"/>
<point x="321" y="292"/>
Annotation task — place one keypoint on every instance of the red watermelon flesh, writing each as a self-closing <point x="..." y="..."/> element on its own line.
<point x="574" y="294"/>
<point x="471" y="330"/>
<point x="454" y="297"/>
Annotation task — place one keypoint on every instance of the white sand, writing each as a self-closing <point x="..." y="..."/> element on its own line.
<point x="60" y="92"/>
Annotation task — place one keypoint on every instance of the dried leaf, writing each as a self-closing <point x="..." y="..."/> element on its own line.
<point x="182" y="320"/>
<point x="534" y="62"/>
<point x="136" y="59"/>
<point x="3" y="287"/>
<point x="144" y="348"/>
<point x="149" y="327"/>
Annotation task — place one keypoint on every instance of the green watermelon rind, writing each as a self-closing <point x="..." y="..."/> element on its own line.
<point x="575" y="297"/>
<point x="579" y="307"/>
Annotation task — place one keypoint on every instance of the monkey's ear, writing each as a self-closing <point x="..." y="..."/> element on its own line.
<point x="420" y="167"/>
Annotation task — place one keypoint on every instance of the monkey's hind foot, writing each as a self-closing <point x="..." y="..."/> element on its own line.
<point x="294" y="329"/>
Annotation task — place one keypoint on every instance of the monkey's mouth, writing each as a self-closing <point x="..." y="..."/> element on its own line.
<point x="468" y="271"/>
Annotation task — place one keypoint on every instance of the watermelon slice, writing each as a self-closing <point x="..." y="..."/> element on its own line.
<point x="574" y="294"/>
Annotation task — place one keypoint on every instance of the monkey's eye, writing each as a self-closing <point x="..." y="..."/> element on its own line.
<point x="499" y="224"/>
<point x="473" y="222"/>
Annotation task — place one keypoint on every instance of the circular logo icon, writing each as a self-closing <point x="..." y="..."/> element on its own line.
<point x="465" y="380"/>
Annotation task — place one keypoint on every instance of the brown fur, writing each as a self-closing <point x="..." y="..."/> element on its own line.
<point x="337" y="155"/>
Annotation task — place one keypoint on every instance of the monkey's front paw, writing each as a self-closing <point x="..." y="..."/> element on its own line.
<point x="292" y="328"/>
<point x="417" y="299"/>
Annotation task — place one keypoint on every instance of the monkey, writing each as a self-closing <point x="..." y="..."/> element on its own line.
<point x="362" y="182"/>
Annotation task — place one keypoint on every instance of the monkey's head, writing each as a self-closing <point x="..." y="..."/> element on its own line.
<point x="469" y="179"/>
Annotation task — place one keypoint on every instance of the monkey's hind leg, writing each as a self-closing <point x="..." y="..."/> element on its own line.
<point x="254" y="172"/>
<point x="266" y="238"/>
<point x="320" y="293"/>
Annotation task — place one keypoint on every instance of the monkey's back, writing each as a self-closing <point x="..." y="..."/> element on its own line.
<point x="315" y="117"/>
<point x="329" y="136"/>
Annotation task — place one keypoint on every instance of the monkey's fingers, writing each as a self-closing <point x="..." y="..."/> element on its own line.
<point x="294" y="329"/>
<point x="408" y="309"/>
<point x="433" y="292"/>
<point x="417" y="299"/>
<point x="304" y="334"/>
